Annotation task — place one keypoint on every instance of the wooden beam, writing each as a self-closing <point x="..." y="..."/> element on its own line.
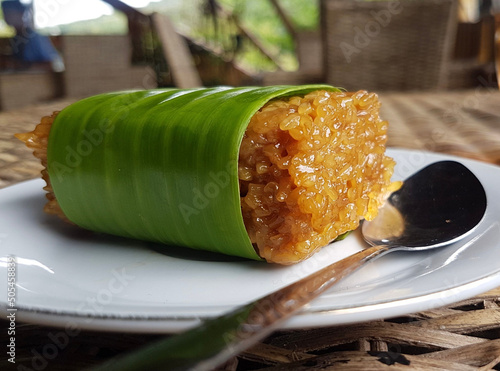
<point x="138" y="26"/>
<point x="176" y="52"/>
<point x="250" y="36"/>
<point x="256" y="42"/>
<point x="285" y="19"/>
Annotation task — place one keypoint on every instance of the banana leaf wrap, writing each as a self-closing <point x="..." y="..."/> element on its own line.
<point x="159" y="165"/>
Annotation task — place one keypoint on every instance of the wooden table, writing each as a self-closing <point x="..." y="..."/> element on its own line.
<point x="462" y="336"/>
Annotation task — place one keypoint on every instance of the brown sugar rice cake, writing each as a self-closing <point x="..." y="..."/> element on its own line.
<point x="273" y="173"/>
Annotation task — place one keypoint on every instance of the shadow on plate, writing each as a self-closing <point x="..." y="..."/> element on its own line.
<point x="187" y="253"/>
<point x="83" y="236"/>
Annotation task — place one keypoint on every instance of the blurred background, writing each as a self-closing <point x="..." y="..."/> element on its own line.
<point x="53" y="49"/>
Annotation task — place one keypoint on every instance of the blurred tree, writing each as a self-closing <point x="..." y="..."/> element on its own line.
<point x="265" y="43"/>
<point x="195" y="18"/>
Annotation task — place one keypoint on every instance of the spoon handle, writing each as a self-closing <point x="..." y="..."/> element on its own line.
<point x="217" y="340"/>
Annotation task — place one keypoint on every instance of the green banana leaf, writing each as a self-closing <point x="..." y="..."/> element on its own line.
<point x="159" y="165"/>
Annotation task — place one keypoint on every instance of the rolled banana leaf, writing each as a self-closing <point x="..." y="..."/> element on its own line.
<point x="179" y="167"/>
<point x="158" y="165"/>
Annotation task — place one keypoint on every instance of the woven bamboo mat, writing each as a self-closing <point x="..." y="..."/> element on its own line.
<point x="462" y="336"/>
<point x="463" y="123"/>
<point x="16" y="161"/>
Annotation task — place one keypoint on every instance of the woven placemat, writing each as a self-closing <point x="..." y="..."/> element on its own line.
<point x="463" y="123"/>
<point x="16" y="161"/>
<point x="462" y="336"/>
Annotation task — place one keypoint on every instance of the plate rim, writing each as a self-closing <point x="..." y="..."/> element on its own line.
<point x="317" y="318"/>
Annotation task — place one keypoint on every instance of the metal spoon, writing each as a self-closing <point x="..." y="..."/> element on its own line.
<point x="437" y="206"/>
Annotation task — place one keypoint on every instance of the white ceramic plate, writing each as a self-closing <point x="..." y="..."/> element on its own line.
<point x="70" y="277"/>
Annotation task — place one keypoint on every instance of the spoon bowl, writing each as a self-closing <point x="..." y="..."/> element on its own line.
<point x="437" y="206"/>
